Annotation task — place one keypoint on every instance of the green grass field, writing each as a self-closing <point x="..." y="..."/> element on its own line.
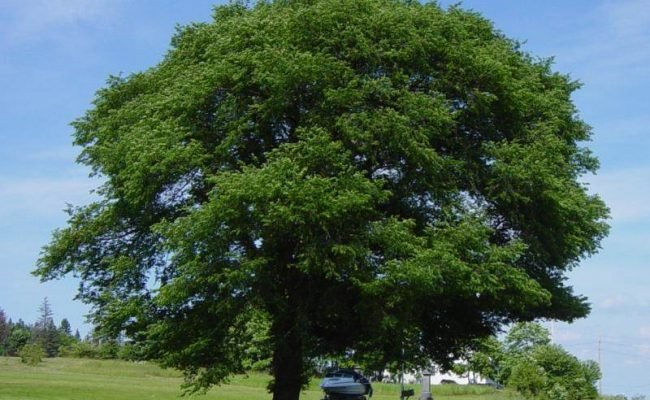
<point x="82" y="379"/>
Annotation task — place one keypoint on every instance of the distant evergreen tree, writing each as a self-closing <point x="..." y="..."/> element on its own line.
<point x="77" y="335"/>
<point x="45" y="332"/>
<point x="65" y="334"/>
<point x="46" y="314"/>
<point x="65" y="327"/>
<point x="4" y="332"/>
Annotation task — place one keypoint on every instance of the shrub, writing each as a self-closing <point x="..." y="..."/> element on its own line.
<point x="527" y="378"/>
<point x="108" y="350"/>
<point x="82" y="350"/>
<point x="32" y="354"/>
<point x="131" y="352"/>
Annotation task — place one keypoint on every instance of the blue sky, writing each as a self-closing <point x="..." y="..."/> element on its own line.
<point x="56" y="53"/>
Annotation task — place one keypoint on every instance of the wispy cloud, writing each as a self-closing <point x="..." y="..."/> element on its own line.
<point x="625" y="304"/>
<point x="628" y="18"/>
<point x="643" y="348"/>
<point x="614" y="43"/>
<point x="616" y="302"/>
<point x="40" y="197"/>
<point x="624" y="130"/>
<point x="62" y="153"/>
<point x="626" y="192"/>
<point x="36" y="20"/>
<point x="644" y="331"/>
<point x="565" y="335"/>
<point x="632" y="362"/>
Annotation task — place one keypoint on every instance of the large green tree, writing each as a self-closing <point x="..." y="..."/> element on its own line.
<point x="372" y="176"/>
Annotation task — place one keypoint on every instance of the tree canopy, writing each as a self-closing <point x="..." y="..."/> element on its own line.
<point x="523" y="337"/>
<point x="370" y="177"/>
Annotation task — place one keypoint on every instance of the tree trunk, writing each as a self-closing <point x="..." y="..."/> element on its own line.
<point x="288" y="366"/>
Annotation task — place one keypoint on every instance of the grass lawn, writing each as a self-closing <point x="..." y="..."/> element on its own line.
<point x="82" y="379"/>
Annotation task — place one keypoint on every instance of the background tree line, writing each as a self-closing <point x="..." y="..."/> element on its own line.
<point x="14" y="336"/>
<point x="527" y="361"/>
<point x="524" y="359"/>
<point x="44" y="338"/>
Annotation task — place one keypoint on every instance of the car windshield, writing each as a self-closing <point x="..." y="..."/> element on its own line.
<point x="340" y="374"/>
